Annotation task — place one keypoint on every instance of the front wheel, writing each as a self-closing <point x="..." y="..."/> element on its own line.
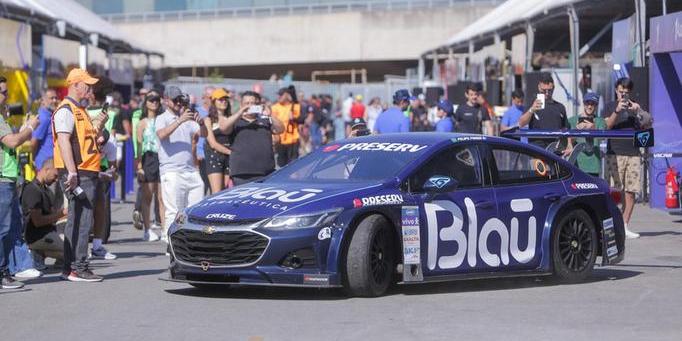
<point x="574" y="250"/>
<point x="371" y="258"/>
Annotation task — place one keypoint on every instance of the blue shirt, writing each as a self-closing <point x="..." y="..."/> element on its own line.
<point x="512" y="115"/>
<point x="202" y="140"/>
<point x="393" y="120"/>
<point x="444" y="125"/>
<point x="43" y="134"/>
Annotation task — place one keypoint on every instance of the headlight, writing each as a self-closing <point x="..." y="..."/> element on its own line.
<point x="317" y="219"/>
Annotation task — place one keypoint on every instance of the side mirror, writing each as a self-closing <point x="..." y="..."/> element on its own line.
<point x="439" y="184"/>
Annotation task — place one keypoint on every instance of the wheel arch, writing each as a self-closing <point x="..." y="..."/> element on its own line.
<point x="350" y="230"/>
<point x="593" y="205"/>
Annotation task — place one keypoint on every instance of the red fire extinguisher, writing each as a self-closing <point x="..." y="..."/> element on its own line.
<point x="672" y="189"/>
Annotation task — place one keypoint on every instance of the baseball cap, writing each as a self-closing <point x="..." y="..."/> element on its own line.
<point x="402" y="95"/>
<point x="356" y="122"/>
<point x="358" y="97"/>
<point x="219" y="93"/>
<point x="79" y="75"/>
<point x="445" y="105"/>
<point x="173" y="92"/>
<point x="591" y="97"/>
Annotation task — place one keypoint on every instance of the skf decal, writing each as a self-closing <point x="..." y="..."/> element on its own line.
<point x="586" y="185"/>
<point x="388" y="199"/>
<point x="474" y="243"/>
<point x="224" y="216"/>
<point x="377" y="146"/>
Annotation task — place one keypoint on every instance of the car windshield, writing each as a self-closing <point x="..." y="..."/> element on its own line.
<point x="359" y="162"/>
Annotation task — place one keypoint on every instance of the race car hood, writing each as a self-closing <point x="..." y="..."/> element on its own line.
<point x="257" y="201"/>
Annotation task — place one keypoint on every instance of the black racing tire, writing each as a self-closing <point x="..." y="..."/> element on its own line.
<point x="210" y="287"/>
<point x="574" y="246"/>
<point x="370" y="260"/>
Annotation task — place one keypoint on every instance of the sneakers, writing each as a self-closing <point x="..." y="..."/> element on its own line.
<point x="137" y="219"/>
<point x="28" y="274"/>
<point x="83" y="276"/>
<point x="9" y="283"/>
<point x="38" y="262"/>
<point x="629" y="234"/>
<point x="150" y="236"/>
<point x="102" y="253"/>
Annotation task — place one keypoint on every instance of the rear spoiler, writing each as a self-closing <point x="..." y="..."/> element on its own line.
<point x="640" y="138"/>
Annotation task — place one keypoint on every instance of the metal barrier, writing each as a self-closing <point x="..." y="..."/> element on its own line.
<point x="287" y="8"/>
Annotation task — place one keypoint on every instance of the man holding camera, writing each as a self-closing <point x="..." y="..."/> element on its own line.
<point x="177" y="129"/>
<point x="622" y="158"/>
<point x="251" y="130"/>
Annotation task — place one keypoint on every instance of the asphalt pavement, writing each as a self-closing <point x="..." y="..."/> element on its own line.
<point x="639" y="299"/>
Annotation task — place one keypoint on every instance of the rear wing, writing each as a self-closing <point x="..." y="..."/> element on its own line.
<point x="640" y="138"/>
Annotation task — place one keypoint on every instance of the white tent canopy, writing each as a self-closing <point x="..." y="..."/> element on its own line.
<point x="508" y="13"/>
<point x="77" y="16"/>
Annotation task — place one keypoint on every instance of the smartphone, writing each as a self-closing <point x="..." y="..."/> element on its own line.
<point x="586" y="119"/>
<point x="105" y="107"/>
<point x="255" y="110"/>
<point x="362" y="132"/>
<point x="541" y="98"/>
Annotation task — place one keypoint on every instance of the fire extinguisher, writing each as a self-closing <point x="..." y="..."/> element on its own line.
<point x="672" y="188"/>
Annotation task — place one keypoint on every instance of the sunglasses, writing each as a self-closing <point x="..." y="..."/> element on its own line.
<point x="222" y="99"/>
<point x="154" y="99"/>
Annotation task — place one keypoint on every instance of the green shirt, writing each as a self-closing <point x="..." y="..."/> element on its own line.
<point x="589" y="160"/>
<point x="137" y="117"/>
<point x="9" y="166"/>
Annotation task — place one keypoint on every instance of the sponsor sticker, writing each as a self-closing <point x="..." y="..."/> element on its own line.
<point x="410" y="234"/>
<point x="270" y="197"/>
<point x="584" y="185"/>
<point x="224" y="216"/>
<point x="376" y="146"/>
<point x="388" y="199"/>
<point x="316" y="279"/>
<point x="439" y="181"/>
<point x="610" y="239"/>
<point x="468" y="138"/>
<point x="325" y="233"/>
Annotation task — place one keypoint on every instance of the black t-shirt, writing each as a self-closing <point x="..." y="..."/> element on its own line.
<point x="36" y="196"/>
<point x="468" y="119"/>
<point x="626" y="119"/>
<point x="552" y="117"/>
<point x="123" y="115"/>
<point x="251" y="147"/>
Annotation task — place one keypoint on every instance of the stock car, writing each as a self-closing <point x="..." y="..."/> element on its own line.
<point x="365" y="213"/>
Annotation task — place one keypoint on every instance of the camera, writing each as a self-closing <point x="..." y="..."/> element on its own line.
<point x="362" y="132"/>
<point x="255" y="110"/>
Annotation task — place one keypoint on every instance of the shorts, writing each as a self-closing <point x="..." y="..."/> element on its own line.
<point x="216" y="162"/>
<point x="150" y="166"/>
<point x="625" y="172"/>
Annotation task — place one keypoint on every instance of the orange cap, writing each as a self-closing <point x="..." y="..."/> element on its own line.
<point x="219" y="93"/>
<point x="80" y="75"/>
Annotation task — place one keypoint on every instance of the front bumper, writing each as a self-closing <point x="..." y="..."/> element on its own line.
<point x="192" y="263"/>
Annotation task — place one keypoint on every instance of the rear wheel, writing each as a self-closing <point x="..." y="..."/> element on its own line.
<point x="574" y="251"/>
<point x="371" y="258"/>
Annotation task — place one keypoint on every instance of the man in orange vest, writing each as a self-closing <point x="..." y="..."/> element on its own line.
<point x="287" y="111"/>
<point x="77" y="159"/>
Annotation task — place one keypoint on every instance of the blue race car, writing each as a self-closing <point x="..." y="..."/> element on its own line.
<point x="364" y="213"/>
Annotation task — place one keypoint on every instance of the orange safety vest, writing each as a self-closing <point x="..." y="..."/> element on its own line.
<point x="281" y="112"/>
<point x="86" y="154"/>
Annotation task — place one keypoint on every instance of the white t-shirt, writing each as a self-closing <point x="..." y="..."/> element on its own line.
<point x="175" y="151"/>
<point x="63" y="121"/>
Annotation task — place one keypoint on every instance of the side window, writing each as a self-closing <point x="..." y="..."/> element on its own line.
<point x="517" y="167"/>
<point x="461" y="163"/>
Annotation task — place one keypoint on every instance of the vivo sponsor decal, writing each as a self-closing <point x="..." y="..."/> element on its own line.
<point x="388" y="199"/>
<point x="378" y="146"/>
<point x="474" y="242"/>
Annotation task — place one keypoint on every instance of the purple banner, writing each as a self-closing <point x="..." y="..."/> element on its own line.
<point x="666" y="33"/>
